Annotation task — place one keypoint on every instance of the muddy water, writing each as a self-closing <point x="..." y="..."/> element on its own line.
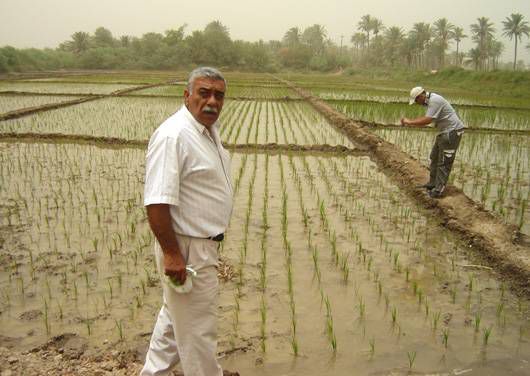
<point x="442" y="308"/>
<point x="66" y="209"/>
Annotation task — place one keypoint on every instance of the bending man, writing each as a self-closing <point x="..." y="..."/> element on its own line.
<point x="450" y="129"/>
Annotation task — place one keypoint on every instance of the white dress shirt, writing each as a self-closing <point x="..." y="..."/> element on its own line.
<point x="189" y="169"/>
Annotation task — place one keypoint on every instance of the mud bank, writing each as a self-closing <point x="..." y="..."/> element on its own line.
<point x="373" y="125"/>
<point x="501" y="245"/>
<point x="116" y="142"/>
<point x="84" y="98"/>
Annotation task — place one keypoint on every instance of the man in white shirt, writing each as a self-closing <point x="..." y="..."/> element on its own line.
<point x="450" y="129"/>
<point x="188" y="198"/>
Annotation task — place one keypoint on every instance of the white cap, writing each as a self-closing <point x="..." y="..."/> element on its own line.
<point x="414" y="93"/>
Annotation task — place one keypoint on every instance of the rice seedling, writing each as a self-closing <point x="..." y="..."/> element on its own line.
<point x="411" y="355"/>
<point x="362" y="308"/>
<point x="393" y="312"/>
<point x="46" y="318"/>
<point x="119" y="327"/>
<point x="499" y="310"/>
<point x="420" y="296"/>
<point x="88" y="326"/>
<point x="453" y="294"/>
<point x="486" y="335"/>
<point x="435" y="320"/>
<point x="476" y="321"/>
<point x="372" y="347"/>
<point x="445" y="337"/>
<point x="329" y="325"/>
<point x="263" y="324"/>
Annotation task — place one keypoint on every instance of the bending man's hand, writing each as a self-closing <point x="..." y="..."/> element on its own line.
<point x="404" y="121"/>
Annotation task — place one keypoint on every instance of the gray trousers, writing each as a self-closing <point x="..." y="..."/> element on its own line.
<point x="442" y="157"/>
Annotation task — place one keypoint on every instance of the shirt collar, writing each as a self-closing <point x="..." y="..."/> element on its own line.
<point x="201" y="128"/>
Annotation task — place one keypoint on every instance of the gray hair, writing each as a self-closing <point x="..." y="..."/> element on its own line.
<point x="204" y="72"/>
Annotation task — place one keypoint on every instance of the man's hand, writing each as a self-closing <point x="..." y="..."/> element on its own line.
<point x="175" y="267"/>
<point x="418" y="122"/>
<point x="160" y="222"/>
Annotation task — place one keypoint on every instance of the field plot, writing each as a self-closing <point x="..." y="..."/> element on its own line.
<point x="493" y="169"/>
<point x="326" y="268"/>
<point x="277" y="122"/>
<point x="17" y="102"/>
<point x="472" y="117"/>
<point x="69" y="88"/>
<point x="128" y="118"/>
<point x="331" y="263"/>
<point x="364" y="94"/>
<point x="243" y="122"/>
<point x="335" y="265"/>
<point x="132" y="78"/>
<point x="385" y="90"/>
<point x="74" y="226"/>
<point x="239" y="91"/>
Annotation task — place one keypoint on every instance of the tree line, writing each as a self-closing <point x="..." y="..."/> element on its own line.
<point x="423" y="47"/>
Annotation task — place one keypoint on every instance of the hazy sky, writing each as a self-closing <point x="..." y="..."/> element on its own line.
<point x="46" y="23"/>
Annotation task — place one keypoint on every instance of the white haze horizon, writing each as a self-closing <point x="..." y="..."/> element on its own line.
<point x="47" y="23"/>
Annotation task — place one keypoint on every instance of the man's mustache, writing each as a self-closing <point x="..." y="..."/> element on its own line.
<point x="210" y="110"/>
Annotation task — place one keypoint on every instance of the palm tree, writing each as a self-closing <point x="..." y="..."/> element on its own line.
<point x="359" y="41"/>
<point x="482" y="32"/>
<point x="474" y="57"/>
<point x="421" y="34"/>
<point x="125" y="40"/>
<point x="315" y="37"/>
<point x="394" y="37"/>
<point x="80" y="42"/>
<point x="514" y="28"/>
<point x="458" y="35"/>
<point x="292" y="37"/>
<point x="377" y="26"/>
<point x="443" y="31"/>
<point x="366" y="25"/>
<point x="495" y="50"/>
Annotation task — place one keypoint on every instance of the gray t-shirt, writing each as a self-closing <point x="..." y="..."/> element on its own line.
<point x="443" y="114"/>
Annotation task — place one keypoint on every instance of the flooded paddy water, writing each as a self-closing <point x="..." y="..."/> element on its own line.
<point x="332" y="268"/>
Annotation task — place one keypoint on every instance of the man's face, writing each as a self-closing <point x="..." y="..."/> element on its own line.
<point x="206" y="100"/>
<point x="421" y="99"/>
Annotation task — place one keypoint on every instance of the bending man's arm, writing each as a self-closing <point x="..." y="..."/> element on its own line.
<point x="418" y="122"/>
<point x="160" y="222"/>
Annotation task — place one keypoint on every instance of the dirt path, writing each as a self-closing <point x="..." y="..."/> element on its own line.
<point x="458" y="106"/>
<point x="374" y="125"/>
<point x="117" y="142"/>
<point x="502" y="245"/>
<point x="85" y="98"/>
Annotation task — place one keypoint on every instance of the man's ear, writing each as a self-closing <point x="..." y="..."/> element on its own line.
<point x="186" y="96"/>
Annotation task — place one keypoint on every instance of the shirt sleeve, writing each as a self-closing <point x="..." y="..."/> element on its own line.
<point x="162" y="172"/>
<point x="434" y="108"/>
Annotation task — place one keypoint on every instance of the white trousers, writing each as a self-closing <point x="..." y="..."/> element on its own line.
<point x="186" y="328"/>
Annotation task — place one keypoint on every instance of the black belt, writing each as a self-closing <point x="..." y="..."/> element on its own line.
<point x="217" y="238"/>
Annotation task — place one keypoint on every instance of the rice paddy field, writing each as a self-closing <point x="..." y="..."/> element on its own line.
<point x="328" y="267"/>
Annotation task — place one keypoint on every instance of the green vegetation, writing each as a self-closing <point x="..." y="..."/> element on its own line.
<point x="424" y="47"/>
